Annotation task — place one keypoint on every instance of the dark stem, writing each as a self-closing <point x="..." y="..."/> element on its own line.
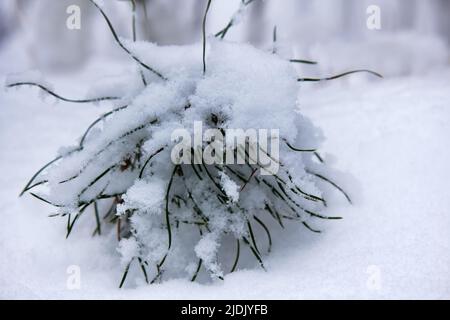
<point x="116" y="38"/>
<point x="148" y="160"/>
<point x="204" y="35"/>
<point x="125" y="273"/>
<point x="302" y="61"/>
<point x="17" y="84"/>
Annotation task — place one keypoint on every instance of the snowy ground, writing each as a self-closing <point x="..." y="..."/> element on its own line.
<point x="391" y="136"/>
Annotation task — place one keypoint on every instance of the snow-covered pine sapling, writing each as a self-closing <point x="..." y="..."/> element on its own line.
<point x="172" y="217"/>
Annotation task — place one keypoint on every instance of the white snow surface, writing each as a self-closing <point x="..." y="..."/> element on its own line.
<point x="391" y="136"/>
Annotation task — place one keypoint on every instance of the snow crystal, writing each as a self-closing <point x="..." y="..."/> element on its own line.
<point x="230" y="187"/>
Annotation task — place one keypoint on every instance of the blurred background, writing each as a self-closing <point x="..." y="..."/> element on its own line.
<point x="413" y="36"/>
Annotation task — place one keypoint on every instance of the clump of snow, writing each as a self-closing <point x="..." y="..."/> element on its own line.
<point x="170" y="214"/>
<point x="147" y="196"/>
<point x="128" y="249"/>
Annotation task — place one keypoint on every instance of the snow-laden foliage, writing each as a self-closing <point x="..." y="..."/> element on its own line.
<point x="173" y="218"/>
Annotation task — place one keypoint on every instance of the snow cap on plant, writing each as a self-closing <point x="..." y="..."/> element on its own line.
<point x="172" y="219"/>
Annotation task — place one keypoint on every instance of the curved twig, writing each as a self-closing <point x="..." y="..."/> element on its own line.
<point x="307" y="226"/>
<point x="317" y="155"/>
<point x="200" y="261"/>
<point x="339" y="76"/>
<point x="169" y="186"/>
<point x="17" y="84"/>
<point x="252" y="236"/>
<point x="141" y="173"/>
<point x="133" y="28"/>
<point x="102" y="117"/>
<point x="238" y="253"/>
<point x="332" y="183"/>
<point x="255" y="253"/>
<point x="46" y="201"/>
<point x="274" y="214"/>
<point x="27" y="187"/>
<point x="94" y="181"/>
<point x="70" y="225"/>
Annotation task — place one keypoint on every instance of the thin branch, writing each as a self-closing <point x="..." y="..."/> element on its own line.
<point x="249" y="178"/>
<point x="255" y="253"/>
<point x="274" y="213"/>
<point x="133" y="28"/>
<point x="232" y="21"/>
<point x="17" y="84"/>
<point x="94" y="181"/>
<point x="169" y="231"/>
<point x="238" y="253"/>
<point x="252" y="236"/>
<point x="297" y="149"/>
<point x="35" y="185"/>
<point x="307" y="226"/>
<point x="266" y="230"/>
<point x="27" y="187"/>
<point x="144" y="270"/>
<point x="214" y="181"/>
<point x="72" y="224"/>
<point x="82" y="140"/>
<point x="313" y="214"/>
<point x="319" y="157"/>
<point x="133" y="19"/>
<point x="274" y="40"/>
<point x="124" y="135"/>
<point x="200" y="261"/>
<point x="204" y="35"/>
<point x="97" y="219"/>
<point x="46" y="201"/>
<point x="339" y="76"/>
<point x="148" y="160"/>
<point x="127" y="268"/>
<point x="332" y="183"/>
<point x="102" y="117"/>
